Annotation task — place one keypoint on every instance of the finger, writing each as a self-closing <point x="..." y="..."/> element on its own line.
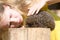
<point x="31" y="11"/>
<point x="37" y="11"/>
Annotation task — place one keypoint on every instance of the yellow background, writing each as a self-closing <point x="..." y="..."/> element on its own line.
<point x="55" y="34"/>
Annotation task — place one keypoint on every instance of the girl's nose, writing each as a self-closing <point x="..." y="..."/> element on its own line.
<point x="14" y="20"/>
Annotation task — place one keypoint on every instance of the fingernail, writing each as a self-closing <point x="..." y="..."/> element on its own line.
<point x="28" y="14"/>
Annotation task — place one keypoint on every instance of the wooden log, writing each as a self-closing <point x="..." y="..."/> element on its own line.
<point x="27" y="34"/>
<point x="15" y="34"/>
<point x="38" y="34"/>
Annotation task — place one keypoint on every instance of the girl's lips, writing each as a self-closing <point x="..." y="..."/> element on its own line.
<point x="12" y="26"/>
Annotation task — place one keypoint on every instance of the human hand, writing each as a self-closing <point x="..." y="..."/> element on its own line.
<point x="36" y="7"/>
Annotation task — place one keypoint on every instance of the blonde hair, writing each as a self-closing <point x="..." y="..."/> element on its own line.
<point x="1" y="11"/>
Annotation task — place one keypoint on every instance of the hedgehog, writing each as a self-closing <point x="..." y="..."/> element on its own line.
<point x="41" y="20"/>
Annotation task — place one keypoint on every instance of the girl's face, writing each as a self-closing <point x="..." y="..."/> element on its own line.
<point x="10" y="18"/>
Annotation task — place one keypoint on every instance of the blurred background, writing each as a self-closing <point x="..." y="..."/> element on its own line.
<point x="55" y="8"/>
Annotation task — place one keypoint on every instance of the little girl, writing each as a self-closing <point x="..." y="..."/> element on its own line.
<point x="9" y="17"/>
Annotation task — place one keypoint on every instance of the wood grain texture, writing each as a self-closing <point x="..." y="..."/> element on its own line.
<point x="38" y="34"/>
<point x="27" y="34"/>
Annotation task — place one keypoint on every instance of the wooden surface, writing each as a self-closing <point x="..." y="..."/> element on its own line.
<point x="27" y="34"/>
